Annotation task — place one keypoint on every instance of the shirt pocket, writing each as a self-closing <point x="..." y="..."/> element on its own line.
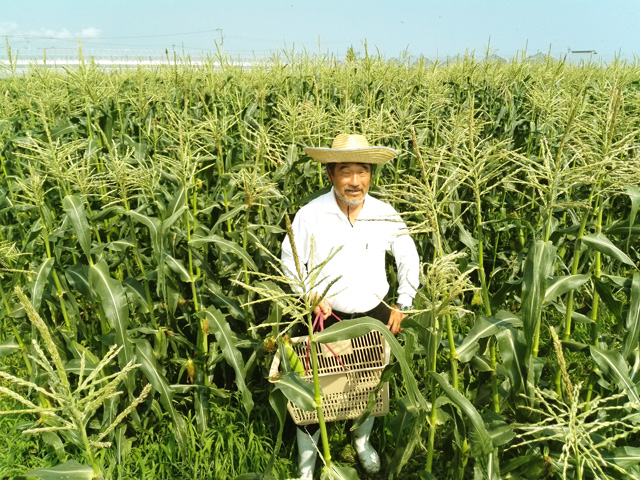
<point x="374" y="255"/>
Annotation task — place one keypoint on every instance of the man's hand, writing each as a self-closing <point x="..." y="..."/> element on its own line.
<point x="323" y="306"/>
<point x="395" y="319"/>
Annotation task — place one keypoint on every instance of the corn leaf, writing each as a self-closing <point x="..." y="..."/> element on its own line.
<point x="78" y="276"/>
<point x="630" y="342"/>
<point x="39" y="282"/>
<point x="482" y="328"/>
<point x="8" y="347"/>
<point x="74" y="208"/>
<point x="70" y="470"/>
<point x="616" y="370"/>
<point x="176" y="266"/>
<point x="536" y="268"/>
<point x="512" y="351"/>
<point x="297" y="391"/>
<point x="634" y="195"/>
<point x="557" y="286"/>
<point x="602" y="244"/>
<point x="226" y="246"/>
<point x="605" y="292"/>
<point x="155" y="228"/>
<point x="201" y="407"/>
<point x="481" y="441"/>
<point x="148" y="364"/>
<point x="113" y="301"/>
<point x="336" y="472"/>
<point x="623" y="456"/>
<point x="227" y="340"/>
<point x="178" y="202"/>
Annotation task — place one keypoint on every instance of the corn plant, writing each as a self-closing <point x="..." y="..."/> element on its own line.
<point x="143" y="208"/>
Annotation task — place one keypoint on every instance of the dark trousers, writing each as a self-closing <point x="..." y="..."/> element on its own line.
<point x="380" y="312"/>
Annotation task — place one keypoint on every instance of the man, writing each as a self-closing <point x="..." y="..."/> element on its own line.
<point x="358" y="230"/>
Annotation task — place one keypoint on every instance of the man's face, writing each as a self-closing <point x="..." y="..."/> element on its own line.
<point x="351" y="182"/>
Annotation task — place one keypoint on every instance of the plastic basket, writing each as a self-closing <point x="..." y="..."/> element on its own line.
<point x="345" y="391"/>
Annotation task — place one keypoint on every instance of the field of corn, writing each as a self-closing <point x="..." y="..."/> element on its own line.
<point x="142" y="299"/>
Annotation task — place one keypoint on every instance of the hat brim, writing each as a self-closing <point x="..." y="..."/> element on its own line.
<point x="373" y="155"/>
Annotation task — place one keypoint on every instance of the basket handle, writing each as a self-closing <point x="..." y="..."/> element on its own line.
<point x="319" y="322"/>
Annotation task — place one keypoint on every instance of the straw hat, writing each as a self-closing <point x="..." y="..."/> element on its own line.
<point x="351" y="148"/>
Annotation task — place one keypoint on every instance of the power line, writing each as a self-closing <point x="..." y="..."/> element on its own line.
<point x="45" y="37"/>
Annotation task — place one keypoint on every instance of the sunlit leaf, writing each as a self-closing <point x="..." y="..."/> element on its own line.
<point x="228" y="341"/>
<point x="602" y="244"/>
<point x="70" y="470"/>
<point x="615" y="369"/>
<point x="39" y="282"/>
<point x="74" y="207"/>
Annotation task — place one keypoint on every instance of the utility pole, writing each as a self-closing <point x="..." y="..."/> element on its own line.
<point x="219" y="30"/>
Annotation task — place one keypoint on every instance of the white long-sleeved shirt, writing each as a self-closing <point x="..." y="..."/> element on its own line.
<point x="320" y="228"/>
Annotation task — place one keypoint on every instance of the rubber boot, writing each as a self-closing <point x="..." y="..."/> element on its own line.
<point x="307" y="453"/>
<point x="366" y="453"/>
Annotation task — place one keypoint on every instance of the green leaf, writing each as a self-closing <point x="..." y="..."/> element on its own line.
<point x="623" y="456"/>
<point x="339" y="472"/>
<point x="113" y="301"/>
<point x="119" y="245"/>
<point x="512" y="351"/>
<point x="136" y="293"/>
<point x="53" y="440"/>
<point x="255" y="476"/>
<point x="8" y="347"/>
<point x="557" y="286"/>
<point x="70" y="470"/>
<point x="487" y="467"/>
<point x="169" y="221"/>
<point x="148" y="364"/>
<point x="201" y="407"/>
<point x="74" y="208"/>
<point x="406" y="428"/>
<point x="602" y="244"/>
<point x="228" y="341"/>
<point x="177" y="266"/>
<point x="178" y="201"/>
<point x="484" y="327"/>
<point x="348" y="329"/>
<point x="634" y="195"/>
<point x="226" y="216"/>
<point x="632" y="336"/>
<point x="615" y="368"/>
<point x="298" y="391"/>
<point x="226" y="246"/>
<point x="155" y="228"/>
<point x="78" y="276"/>
<point x="501" y="432"/>
<point x="278" y="402"/>
<point x="232" y="305"/>
<point x="482" y="438"/>
<point x="39" y="282"/>
<point x="536" y="268"/>
<point x="605" y="292"/>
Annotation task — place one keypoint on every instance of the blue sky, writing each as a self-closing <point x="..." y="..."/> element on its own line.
<point x="247" y="28"/>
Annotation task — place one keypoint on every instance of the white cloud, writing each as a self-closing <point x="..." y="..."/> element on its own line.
<point x="57" y="34"/>
<point x="13" y="29"/>
<point x="90" y="32"/>
<point x="8" y="28"/>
